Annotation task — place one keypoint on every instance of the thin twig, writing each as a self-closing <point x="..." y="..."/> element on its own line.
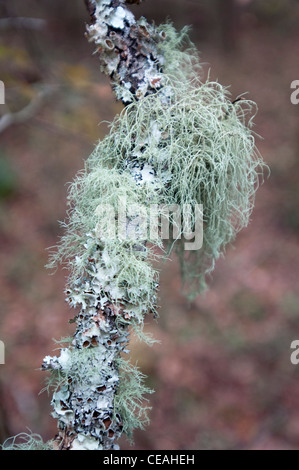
<point x="27" y="112"/>
<point x="22" y="23"/>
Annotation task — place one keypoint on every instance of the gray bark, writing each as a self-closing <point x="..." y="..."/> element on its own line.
<point x="84" y="402"/>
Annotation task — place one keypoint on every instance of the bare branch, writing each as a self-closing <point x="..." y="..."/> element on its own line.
<point x="22" y="23"/>
<point x="27" y="112"/>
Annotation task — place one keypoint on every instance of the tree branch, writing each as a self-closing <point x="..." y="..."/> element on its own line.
<point x="127" y="48"/>
<point x="27" y="112"/>
<point x="160" y="151"/>
<point x="22" y="23"/>
<point x="85" y="405"/>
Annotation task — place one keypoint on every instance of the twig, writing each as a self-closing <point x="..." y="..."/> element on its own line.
<point x="27" y="112"/>
<point x="85" y="406"/>
<point x="22" y="23"/>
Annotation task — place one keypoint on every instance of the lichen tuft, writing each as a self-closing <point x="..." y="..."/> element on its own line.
<point x="186" y="144"/>
<point x="26" y="441"/>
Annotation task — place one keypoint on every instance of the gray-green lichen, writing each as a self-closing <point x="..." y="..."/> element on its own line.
<point x="201" y="150"/>
<point x="26" y="441"/>
<point x="130" y="399"/>
<point x="184" y="144"/>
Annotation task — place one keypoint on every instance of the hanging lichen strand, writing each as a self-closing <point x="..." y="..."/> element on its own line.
<point x="177" y="142"/>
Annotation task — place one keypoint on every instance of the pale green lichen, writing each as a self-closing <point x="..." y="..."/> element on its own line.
<point x="195" y="147"/>
<point x="54" y="382"/>
<point x="202" y="150"/>
<point x="130" y="398"/>
<point x="26" y="441"/>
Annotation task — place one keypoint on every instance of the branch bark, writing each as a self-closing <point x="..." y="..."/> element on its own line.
<point x="88" y="371"/>
<point x="36" y="24"/>
<point x="127" y="48"/>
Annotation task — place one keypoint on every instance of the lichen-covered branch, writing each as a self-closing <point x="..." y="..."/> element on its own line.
<point x="127" y="48"/>
<point x="179" y="142"/>
<point x="88" y="372"/>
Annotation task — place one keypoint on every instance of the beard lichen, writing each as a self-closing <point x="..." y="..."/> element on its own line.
<point x="201" y="150"/>
<point x="26" y="441"/>
<point x="130" y="398"/>
<point x="186" y="144"/>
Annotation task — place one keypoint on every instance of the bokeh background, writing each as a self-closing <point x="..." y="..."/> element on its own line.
<point x="222" y="373"/>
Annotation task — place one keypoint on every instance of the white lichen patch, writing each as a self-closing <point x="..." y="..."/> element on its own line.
<point x="146" y="174"/>
<point x="117" y="17"/>
<point x="64" y="358"/>
<point x="83" y="442"/>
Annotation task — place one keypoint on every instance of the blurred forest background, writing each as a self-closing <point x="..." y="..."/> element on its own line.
<point x="222" y="373"/>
